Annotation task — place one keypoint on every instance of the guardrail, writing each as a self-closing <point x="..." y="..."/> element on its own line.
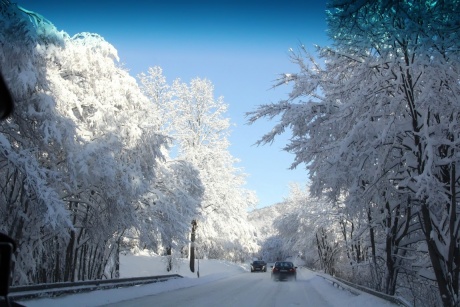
<point x="55" y="289"/>
<point x="343" y="284"/>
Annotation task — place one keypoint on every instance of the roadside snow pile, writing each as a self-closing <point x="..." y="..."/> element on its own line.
<point x="148" y="264"/>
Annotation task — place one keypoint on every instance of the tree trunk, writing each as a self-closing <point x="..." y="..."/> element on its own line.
<point x="444" y="269"/>
<point x="69" y="257"/>
<point x="57" y="267"/>
<point x="374" y="270"/>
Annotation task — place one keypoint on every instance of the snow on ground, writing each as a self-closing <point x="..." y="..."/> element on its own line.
<point x="145" y="264"/>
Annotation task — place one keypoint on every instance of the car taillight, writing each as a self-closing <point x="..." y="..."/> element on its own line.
<point x="275" y="269"/>
<point x="291" y="270"/>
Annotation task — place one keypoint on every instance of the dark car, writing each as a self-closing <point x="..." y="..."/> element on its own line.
<point x="284" y="270"/>
<point x="258" y="265"/>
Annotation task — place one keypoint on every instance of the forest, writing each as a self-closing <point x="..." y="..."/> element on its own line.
<point x="96" y="162"/>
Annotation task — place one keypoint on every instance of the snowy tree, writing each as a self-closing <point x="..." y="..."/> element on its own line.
<point x="119" y="150"/>
<point x="384" y="108"/>
<point x="202" y="134"/>
<point x="196" y="121"/>
<point x="411" y="97"/>
<point x="155" y="86"/>
<point x="81" y="150"/>
<point x="32" y="211"/>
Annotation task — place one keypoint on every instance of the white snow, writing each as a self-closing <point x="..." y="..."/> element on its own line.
<point x="211" y="273"/>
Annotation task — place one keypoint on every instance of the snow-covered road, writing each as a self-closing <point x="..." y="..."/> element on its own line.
<point x="255" y="289"/>
<point x="221" y="283"/>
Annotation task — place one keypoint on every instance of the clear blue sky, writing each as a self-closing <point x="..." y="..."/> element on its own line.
<point x="240" y="46"/>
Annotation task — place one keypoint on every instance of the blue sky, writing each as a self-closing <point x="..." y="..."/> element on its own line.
<point x="240" y="46"/>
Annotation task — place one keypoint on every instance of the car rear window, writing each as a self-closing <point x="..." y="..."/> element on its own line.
<point x="284" y="265"/>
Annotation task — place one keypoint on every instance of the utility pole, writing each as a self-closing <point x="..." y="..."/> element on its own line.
<point x="192" y="246"/>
